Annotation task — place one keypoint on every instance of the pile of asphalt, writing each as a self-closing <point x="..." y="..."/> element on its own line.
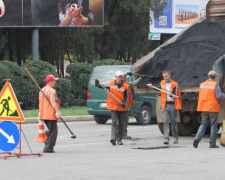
<point x="190" y="57"/>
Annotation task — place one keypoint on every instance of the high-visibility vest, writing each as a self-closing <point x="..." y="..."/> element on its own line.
<point x="112" y="103"/>
<point x="177" y="101"/>
<point x="130" y="100"/>
<point x="46" y="110"/>
<point x="207" y="99"/>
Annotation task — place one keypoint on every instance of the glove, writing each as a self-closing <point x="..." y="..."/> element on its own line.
<point x="129" y="73"/>
<point x="123" y="105"/>
<point x="58" y="115"/>
<point x="96" y="82"/>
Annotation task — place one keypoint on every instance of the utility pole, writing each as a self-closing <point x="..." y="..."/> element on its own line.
<point x="35" y="44"/>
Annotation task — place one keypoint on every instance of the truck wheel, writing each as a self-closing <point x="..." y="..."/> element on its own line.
<point x="161" y="128"/>
<point x="145" y="115"/>
<point x="185" y="127"/>
<point x="209" y="128"/>
<point x="100" y="119"/>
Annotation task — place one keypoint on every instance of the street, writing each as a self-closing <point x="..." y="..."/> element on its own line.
<point x="91" y="156"/>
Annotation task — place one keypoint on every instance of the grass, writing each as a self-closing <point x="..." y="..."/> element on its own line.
<point x="68" y="111"/>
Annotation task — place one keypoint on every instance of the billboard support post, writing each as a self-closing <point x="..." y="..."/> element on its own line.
<point x="35" y="44"/>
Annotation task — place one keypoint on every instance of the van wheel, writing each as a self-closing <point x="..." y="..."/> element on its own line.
<point x="100" y="119"/>
<point x="145" y="115"/>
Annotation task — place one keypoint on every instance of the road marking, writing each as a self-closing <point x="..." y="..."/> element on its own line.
<point x="127" y="128"/>
<point x="85" y="144"/>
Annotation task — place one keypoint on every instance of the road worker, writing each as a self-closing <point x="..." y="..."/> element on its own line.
<point x="170" y="105"/>
<point x="119" y="91"/>
<point x="129" y="101"/>
<point x="209" y="106"/>
<point x="50" y="113"/>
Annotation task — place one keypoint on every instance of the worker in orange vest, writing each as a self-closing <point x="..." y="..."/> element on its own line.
<point x="209" y="106"/>
<point x="118" y="110"/>
<point x="50" y="113"/>
<point x="170" y="105"/>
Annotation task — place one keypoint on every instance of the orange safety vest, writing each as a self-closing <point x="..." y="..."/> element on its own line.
<point x="112" y="103"/>
<point x="207" y="99"/>
<point x="130" y="101"/>
<point x="46" y="110"/>
<point x="177" y="102"/>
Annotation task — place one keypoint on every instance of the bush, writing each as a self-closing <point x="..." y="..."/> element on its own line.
<point x="39" y="70"/>
<point x="79" y="75"/>
<point x="18" y="78"/>
<point x="63" y="88"/>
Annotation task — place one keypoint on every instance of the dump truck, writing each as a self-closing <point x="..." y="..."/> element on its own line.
<point x="189" y="56"/>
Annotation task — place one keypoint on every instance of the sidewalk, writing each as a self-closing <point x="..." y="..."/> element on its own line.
<point x="65" y="118"/>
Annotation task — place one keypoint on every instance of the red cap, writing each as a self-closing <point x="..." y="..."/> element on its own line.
<point x="50" y="78"/>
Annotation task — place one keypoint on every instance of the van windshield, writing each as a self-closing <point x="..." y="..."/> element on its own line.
<point x="107" y="73"/>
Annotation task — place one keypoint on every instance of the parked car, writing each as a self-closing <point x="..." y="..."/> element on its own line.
<point x="144" y="104"/>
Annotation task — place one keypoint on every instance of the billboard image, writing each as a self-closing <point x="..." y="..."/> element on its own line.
<point x="186" y="14"/>
<point x="176" y="15"/>
<point x="51" y="13"/>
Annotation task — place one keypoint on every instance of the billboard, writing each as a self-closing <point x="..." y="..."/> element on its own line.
<point x="51" y="13"/>
<point x="176" y="15"/>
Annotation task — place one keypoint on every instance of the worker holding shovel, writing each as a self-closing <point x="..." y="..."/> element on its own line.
<point x="170" y="102"/>
<point x="116" y="102"/>
<point x="49" y="113"/>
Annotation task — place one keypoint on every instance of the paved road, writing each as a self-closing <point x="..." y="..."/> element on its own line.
<point x="91" y="156"/>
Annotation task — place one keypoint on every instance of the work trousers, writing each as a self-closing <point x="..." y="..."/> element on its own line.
<point x="206" y="117"/>
<point x="125" y="124"/>
<point x="170" y="114"/>
<point x="117" y="116"/>
<point x="51" y="135"/>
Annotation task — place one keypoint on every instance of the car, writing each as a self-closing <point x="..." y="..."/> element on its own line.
<point x="144" y="108"/>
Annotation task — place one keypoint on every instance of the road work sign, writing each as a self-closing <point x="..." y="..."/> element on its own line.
<point x="9" y="136"/>
<point x="9" y="107"/>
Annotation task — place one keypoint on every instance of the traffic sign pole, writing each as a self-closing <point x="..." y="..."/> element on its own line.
<point x="10" y="135"/>
<point x="10" y="154"/>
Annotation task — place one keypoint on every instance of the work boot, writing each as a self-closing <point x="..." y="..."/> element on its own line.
<point x="175" y="141"/>
<point x="47" y="151"/>
<point x="195" y="143"/>
<point x="113" y="142"/>
<point x="119" y="143"/>
<point x="127" y="137"/>
<point x="214" y="146"/>
<point x="166" y="141"/>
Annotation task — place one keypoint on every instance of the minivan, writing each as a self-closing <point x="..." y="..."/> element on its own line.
<point x="144" y="104"/>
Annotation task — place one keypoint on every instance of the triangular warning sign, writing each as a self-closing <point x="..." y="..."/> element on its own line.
<point x="9" y="107"/>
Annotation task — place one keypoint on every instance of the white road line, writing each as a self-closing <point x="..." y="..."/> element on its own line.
<point x="127" y="128"/>
<point x="85" y="144"/>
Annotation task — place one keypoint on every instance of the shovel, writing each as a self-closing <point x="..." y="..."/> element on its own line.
<point x="132" y="112"/>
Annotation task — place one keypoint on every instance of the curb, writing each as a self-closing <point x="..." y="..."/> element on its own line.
<point x="65" y="118"/>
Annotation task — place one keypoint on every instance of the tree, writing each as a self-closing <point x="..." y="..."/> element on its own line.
<point x="123" y="37"/>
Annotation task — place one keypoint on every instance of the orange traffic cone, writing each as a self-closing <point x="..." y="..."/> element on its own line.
<point x="41" y="135"/>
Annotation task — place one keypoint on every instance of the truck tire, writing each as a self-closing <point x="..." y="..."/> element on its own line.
<point x="208" y="130"/>
<point x="186" y="127"/>
<point x="100" y="119"/>
<point x="145" y="116"/>
<point x="161" y="128"/>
